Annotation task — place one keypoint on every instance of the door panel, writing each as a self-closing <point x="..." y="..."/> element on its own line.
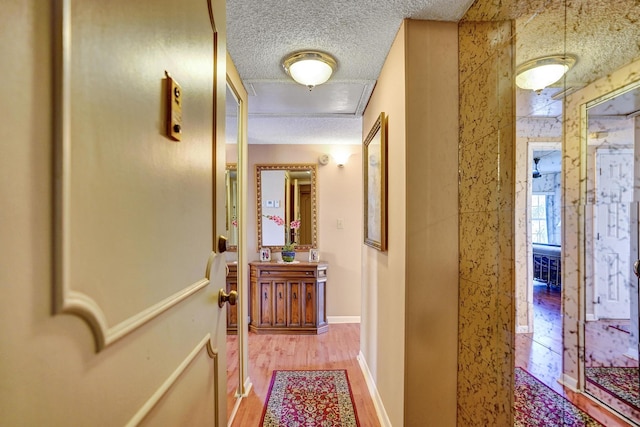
<point x="134" y="219"/>
<point x="614" y="194"/>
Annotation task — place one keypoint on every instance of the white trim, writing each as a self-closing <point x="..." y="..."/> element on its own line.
<point x="522" y="329"/>
<point x="343" y="319"/>
<point x="239" y="399"/>
<point x="632" y="353"/>
<point x="383" y="418"/>
<point x="590" y="317"/>
<point x="569" y="382"/>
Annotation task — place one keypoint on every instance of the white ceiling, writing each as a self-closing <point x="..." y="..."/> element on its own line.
<point x="357" y="33"/>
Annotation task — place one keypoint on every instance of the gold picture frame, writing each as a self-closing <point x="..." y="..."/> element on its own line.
<point x="374" y="169"/>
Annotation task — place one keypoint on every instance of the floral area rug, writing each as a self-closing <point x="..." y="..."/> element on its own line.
<point x="537" y="405"/>
<point x="621" y="382"/>
<point x="309" y="399"/>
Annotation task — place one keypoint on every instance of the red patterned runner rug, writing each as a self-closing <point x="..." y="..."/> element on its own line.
<point x="538" y="405"/>
<point x="621" y="382"/>
<point x="309" y="399"/>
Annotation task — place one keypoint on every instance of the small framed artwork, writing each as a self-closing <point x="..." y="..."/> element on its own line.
<point x="374" y="161"/>
<point x="265" y="254"/>
<point x="314" y="255"/>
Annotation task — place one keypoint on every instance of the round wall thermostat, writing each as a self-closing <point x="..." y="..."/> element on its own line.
<point x="323" y="159"/>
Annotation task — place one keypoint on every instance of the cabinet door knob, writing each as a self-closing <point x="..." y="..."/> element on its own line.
<point x="280" y="295"/>
<point x="265" y="296"/>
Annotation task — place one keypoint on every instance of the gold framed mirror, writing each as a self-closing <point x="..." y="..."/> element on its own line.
<point x="287" y="193"/>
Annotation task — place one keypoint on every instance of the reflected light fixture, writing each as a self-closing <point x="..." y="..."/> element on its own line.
<point x="309" y="68"/>
<point x="536" y="172"/>
<point x="539" y="73"/>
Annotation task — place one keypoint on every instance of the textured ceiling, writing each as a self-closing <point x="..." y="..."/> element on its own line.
<point x="357" y="33"/>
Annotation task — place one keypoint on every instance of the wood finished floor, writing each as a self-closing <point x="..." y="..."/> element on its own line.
<point x="336" y="349"/>
<point x="540" y="353"/>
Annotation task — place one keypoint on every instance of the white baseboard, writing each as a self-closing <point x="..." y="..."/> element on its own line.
<point x="569" y="382"/>
<point x="239" y="397"/>
<point x="343" y="319"/>
<point x="383" y="418"/>
<point x="522" y="330"/>
<point x="590" y="317"/>
<point x="632" y="353"/>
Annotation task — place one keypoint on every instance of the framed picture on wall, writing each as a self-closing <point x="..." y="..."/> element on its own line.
<point x="374" y="170"/>
<point x="314" y="255"/>
<point x="265" y="254"/>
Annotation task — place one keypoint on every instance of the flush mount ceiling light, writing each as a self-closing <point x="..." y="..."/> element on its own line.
<point x="309" y="68"/>
<point x="539" y="73"/>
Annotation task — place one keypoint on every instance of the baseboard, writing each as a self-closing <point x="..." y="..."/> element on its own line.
<point x="239" y="397"/>
<point x="569" y="382"/>
<point x="522" y="330"/>
<point x="343" y="319"/>
<point x="590" y="317"/>
<point x="383" y="418"/>
<point x="631" y="353"/>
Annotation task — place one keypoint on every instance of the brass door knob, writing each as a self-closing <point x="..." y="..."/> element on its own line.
<point x="231" y="297"/>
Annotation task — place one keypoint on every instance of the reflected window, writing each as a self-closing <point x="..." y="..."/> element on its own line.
<point x="539" y="228"/>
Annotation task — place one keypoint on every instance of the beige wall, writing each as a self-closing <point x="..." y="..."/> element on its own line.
<point x="409" y="328"/>
<point x="339" y="197"/>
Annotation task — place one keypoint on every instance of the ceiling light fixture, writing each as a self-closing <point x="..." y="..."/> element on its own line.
<point x="536" y="172"/>
<point x="539" y="73"/>
<point x="309" y="68"/>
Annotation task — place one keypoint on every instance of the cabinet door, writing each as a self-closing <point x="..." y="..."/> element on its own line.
<point x="295" y="308"/>
<point x="265" y="303"/>
<point x="232" y="310"/>
<point x="309" y="303"/>
<point x="280" y="303"/>
<point x="321" y="300"/>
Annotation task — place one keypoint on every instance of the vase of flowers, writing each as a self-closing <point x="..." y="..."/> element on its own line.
<point x="289" y="249"/>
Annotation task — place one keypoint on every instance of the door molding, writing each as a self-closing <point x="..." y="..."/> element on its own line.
<point x="151" y="403"/>
<point x="65" y="299"/>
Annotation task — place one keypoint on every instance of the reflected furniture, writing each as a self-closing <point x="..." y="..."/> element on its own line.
<point x="232" y="310"/>
<point x="288" y="298"/>
<point x="546" y="264"/>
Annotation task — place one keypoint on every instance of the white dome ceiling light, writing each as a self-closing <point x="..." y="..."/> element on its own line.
<point x="309" y="68"/>
<point x="539" y="73"/>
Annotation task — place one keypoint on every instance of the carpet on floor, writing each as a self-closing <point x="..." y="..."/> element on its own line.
<point x="310" y="398"/>
<point x="621" y="382"/>
<point x="536" y="404"/>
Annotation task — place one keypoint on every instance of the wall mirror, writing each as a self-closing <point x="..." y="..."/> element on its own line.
<point x="286" y="193"/>
<point x="611" y="137"/>
<point x="232" y="134"/>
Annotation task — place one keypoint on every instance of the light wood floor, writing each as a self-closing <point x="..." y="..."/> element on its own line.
<point x="336" y="349"/>
<point x="540" y="353"/>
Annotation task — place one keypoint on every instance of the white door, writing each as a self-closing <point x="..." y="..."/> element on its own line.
<point x="109" y="311"/>
<point x="614" y="194"/>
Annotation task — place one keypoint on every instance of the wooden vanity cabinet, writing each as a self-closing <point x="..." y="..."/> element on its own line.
<point x="232" y="310"/>
<point x="288" y="298"/>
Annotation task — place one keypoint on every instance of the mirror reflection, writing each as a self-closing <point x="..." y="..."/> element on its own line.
<point x="231" y="206"/>
<point x="611" y="286"/>
<point x="287" y="206"/>
<point x="231" y="176"/>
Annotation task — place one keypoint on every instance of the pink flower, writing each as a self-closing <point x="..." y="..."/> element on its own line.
<point x="295" y="224"/>
<point x="275" y="218"/>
